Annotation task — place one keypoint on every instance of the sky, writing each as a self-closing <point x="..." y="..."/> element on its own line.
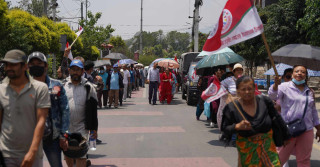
<point x="124" y="15"/>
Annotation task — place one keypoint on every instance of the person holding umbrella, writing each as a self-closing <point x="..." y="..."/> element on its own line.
<point x="166" y="87"/>
<point x="297" y="103"/>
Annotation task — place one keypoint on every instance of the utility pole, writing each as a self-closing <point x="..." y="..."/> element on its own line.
<point x="140" y="49"/>
<point x="196" y="20"/>
<point x="86" y="10"/>
<point x="45" y="8"/>
<point x="81" y="10"/>
<point x="54" y="7"/>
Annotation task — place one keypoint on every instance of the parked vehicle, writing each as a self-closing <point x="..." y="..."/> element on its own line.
<point x="184" y="62"/>
<point x="190" y="85"/>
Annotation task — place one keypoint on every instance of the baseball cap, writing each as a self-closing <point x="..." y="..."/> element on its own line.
<point x="115" y="65"/>
<point x="77" y="63"/>
<point x="14" y="56"/>
<point x="37" y="55"/>
<point x="238" y="65"/>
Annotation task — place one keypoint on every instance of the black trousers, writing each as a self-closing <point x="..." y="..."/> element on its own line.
<point x="153" y="88"/>
<point x="103" y="93"/>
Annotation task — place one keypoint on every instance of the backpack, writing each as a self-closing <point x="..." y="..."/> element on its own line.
<point x="91" y="119"/>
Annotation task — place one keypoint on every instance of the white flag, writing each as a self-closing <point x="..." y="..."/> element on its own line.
<point x="80" y="31"/>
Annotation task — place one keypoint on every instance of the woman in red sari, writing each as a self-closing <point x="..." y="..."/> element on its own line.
<point x="166" y="88"/>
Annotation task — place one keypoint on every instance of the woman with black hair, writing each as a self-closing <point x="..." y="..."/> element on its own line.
<point x="297" y="104"/>
<point x="250" y="118"/>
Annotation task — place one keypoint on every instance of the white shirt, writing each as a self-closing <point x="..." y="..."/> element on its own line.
<point x="126" y="75"/>
<point x="153" y="74"/>
<point x="230" y="84"/>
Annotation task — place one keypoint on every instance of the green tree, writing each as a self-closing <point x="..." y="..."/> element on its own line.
<point x="3" y="21"/>
<point x="311" y="21"/>
<point x="93" y="35"/>
<point x="179" y="41"/>
<point x="147" y="59"/>
<point x="202" y="40"/>
<point x="281" y="23"/>
<point x="25" y="32"/>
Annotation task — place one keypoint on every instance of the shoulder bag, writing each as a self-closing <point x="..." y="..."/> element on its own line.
<point x="298" y="126"/>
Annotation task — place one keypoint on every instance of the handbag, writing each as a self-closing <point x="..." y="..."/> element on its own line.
<point x="298" y="126"/>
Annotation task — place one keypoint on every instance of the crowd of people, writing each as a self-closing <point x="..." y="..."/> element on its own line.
<point x="265" y="128"/>
<point x="165" y="80"/>
<point x="57" y="114"/>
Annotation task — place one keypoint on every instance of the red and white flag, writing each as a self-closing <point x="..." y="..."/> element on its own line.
<point x="239" y="21"/>
<point x="70" y="54"/>
<point x="214" y="91"/>
<point x="79" y="31"/>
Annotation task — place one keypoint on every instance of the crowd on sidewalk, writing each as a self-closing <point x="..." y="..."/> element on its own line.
<point x="266" y="129"/>
<point x="41" y="114"/>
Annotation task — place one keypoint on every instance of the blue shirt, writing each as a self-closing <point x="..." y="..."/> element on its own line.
<point x="114" y="82"/>
<point x="104" y="77"/>
<point x="131" y="76"/>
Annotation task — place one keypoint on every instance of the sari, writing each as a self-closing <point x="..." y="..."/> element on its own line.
<point x="257" y="151"/>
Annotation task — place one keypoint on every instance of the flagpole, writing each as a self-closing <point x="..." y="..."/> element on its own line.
<point x="269" y="54"/>
<point x="74" y="41"/>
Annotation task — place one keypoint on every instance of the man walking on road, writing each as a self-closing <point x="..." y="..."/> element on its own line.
<point x="76" y="89"/>
<point x="58" y="113"/>
<point x="24" y="105"/>
<point x="153" y="79"/>
<point x="104" y="75"/>
<point x="126" y="81"/>
<point x="116" y="84"/>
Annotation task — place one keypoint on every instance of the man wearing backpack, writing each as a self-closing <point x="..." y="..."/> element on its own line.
<point x="57" y="122"/>
<point x="24" y="105"/>
<point x="82" y="120"/>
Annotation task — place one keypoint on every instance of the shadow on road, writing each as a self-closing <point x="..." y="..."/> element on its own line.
<point x="218" y="143"/>
<point x="96" y="156"/>
<point x="214" y="130"/>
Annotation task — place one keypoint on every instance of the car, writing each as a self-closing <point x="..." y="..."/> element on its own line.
<point x="190" y="87"/>
<point x="184" y="62"/>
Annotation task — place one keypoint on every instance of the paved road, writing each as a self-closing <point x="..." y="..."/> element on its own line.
<point x="141" y="135"/>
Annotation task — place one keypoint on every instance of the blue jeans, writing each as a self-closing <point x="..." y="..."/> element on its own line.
<point x="53" y="152"/>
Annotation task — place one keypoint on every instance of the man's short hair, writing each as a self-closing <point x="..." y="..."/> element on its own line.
<point x="88" y="65"/>
<point x="79" y="58"/>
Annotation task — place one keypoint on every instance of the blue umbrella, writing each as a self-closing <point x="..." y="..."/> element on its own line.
<point x="127" y="61"/>
<point x="281" y="67"/>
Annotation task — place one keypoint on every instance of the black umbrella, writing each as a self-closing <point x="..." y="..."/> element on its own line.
<point x="299" y="54"/>
<point x="100" y="63"/>
<point x="116" y="56"/>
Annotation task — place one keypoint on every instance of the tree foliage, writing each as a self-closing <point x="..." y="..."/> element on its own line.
<point x="311" y="22"/>
<point x="3" y="20"/>
<point x="281" y="23"/>
<point x="93" y="35"/>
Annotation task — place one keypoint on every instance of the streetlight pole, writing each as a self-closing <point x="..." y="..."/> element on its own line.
<point x="140" y="49"/>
